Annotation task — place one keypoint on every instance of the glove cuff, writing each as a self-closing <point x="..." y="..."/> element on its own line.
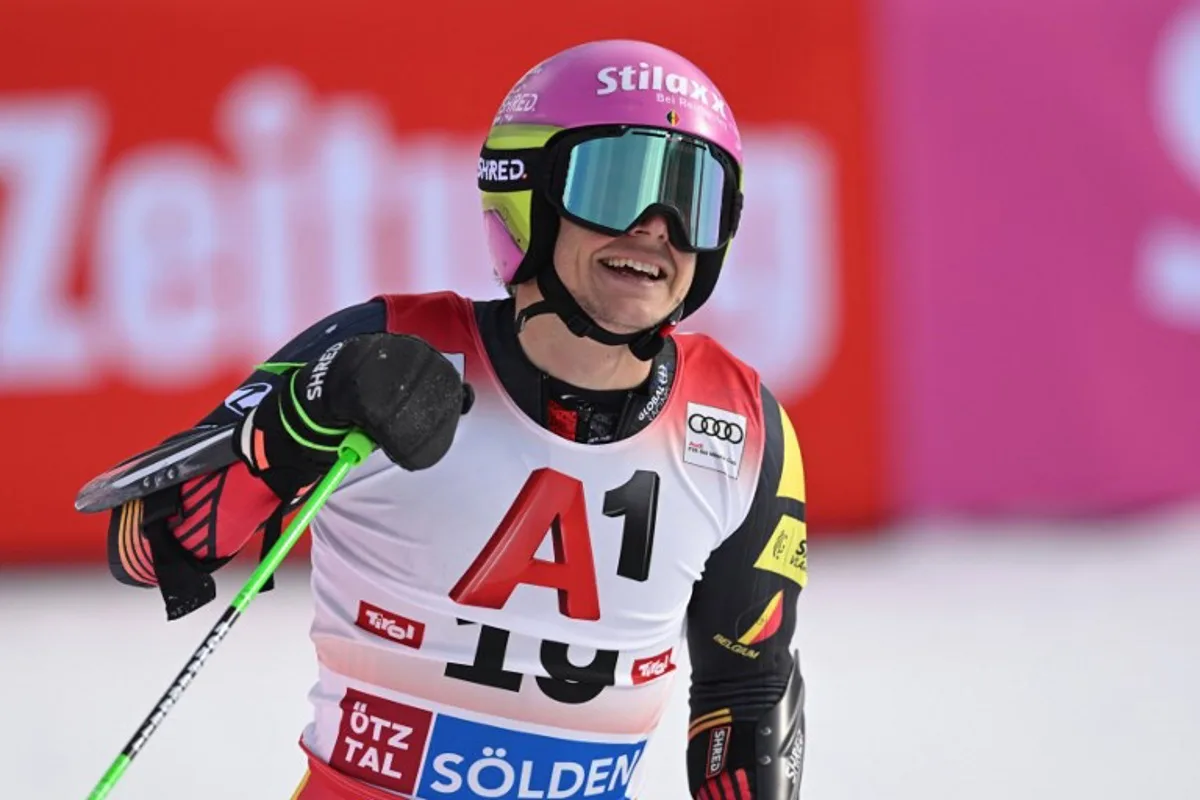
<point x="281" y="444"/>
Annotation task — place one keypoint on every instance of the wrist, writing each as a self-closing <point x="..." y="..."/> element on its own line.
<point x="281" y="443"/>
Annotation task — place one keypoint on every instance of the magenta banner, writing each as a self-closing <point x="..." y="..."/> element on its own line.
<point x="1041" y="225"/>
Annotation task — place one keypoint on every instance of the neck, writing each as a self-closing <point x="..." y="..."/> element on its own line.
<point x="577" y="360"/>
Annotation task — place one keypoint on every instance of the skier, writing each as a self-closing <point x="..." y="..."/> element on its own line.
<point x="564" y="487"/>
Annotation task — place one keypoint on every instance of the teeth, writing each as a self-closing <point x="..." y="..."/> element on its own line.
<point x="628" y="263"/>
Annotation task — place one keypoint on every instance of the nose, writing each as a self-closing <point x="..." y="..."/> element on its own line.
<point x="653" y="225"/>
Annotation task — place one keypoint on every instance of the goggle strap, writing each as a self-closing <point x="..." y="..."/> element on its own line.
<point x="508" y="170"/>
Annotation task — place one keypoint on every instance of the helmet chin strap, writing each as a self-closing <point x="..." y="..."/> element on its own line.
<point x="556" y="299"/>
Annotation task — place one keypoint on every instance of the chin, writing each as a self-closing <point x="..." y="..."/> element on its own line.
<point x="626" y="329"/>
<point x="630" y="323"/>
<point x="627" y="315"/>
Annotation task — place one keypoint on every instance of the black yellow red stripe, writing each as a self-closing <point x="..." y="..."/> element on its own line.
<point x="767" y="623"/>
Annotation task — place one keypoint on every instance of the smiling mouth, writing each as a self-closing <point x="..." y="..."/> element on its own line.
<point x="634" y="268"/>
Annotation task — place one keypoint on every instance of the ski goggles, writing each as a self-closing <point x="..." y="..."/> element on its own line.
<point x="608" y="179"/>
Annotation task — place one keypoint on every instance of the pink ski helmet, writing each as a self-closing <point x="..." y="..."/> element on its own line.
<point x="600" y="89"/>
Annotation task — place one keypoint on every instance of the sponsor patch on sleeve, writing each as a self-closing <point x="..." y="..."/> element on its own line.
<point x="786" y="553"/>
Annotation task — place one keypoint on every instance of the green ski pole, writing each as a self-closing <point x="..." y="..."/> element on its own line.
<point x="354" y="448"/>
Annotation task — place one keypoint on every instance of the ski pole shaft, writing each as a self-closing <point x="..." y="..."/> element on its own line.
<point x="354" y="448"/>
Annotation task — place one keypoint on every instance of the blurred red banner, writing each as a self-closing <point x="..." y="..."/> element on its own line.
<point x="183" y="186"/>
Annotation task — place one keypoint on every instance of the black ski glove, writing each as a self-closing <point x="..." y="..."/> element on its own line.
<point x="397" y="389"/>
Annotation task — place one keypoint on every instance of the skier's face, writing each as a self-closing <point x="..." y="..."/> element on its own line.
<point x="627" y="283"/>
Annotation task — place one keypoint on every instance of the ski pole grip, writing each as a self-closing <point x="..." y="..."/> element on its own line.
<point x="355" y="447"/>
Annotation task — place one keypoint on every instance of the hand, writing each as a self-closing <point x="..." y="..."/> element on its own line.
<point x="397" y="389"/>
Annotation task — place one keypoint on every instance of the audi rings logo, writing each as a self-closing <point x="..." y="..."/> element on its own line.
<point x="720" y="428"/>
<point x="716" y="439"/>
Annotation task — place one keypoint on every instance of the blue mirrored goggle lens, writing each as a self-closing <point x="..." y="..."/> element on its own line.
<point x="611" y="182"/>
